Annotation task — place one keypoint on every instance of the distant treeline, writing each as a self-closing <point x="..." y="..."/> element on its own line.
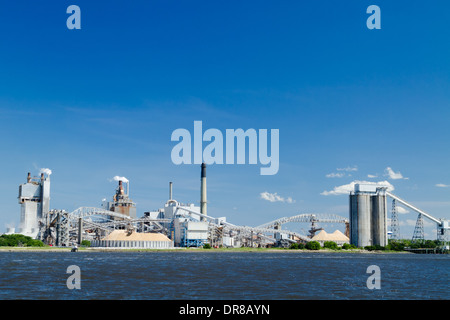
<point x="393" y="245"/>
<point x="19" y="240"/>
<point x="400" y="245"/>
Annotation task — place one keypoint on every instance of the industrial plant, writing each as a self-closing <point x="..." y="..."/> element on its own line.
<point x="116" y="224"/>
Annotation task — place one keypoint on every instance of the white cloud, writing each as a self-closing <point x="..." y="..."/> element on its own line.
<point x="401" y="210"/>
<point x="441" y="185"/>
<point x="274" y="197"/>
<point x="347" y="188"/>
<point x="394" y="175"/>
<point x="371" y="176"/>
<point x="412" y="223"/>
<point x="354" y="168"/>
<point x="408" y="222"/>
<point x="342" y="174"/>
<point x="335" y="175"/>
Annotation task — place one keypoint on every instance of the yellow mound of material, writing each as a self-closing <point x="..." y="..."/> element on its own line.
<point x="122" y="235"/>
<point x="335" y="236"/>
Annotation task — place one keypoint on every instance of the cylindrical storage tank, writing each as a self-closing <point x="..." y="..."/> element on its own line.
<point x="379" y="217"/>
<point x="360" y="220"/>
<point x="353" y="219"/>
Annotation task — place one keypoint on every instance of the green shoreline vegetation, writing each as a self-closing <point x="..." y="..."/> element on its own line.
<point x="19" y="240"/>
<point x="21" y="243"/>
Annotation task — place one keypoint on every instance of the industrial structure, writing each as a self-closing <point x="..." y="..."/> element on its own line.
<point x="175" y="224"/>
<point x="130" y="239"/>
<point x="121" y="202"/>
<point x="442" y="225"/>
<point x="368" y="217"/>
<point x="34" y="200"/>
<point x="368" y="220"/>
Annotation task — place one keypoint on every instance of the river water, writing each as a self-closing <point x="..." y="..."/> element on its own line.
<point x="283" y="275"/>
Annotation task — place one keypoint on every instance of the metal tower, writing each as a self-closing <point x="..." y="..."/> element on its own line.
<point x="395" y="226"/>
<point x="419" y="234"/>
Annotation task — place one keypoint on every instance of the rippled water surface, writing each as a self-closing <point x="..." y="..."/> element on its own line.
<point x="222" y="275"/>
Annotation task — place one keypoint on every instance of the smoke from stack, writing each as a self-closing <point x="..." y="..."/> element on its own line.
<point x="125" y="180"/>
<point x="45" y="171"/>
<point x="117" y="178"/>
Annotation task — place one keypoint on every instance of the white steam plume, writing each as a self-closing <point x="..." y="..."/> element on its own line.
<point x="45" y="171"/>
<point x="123" y="179"/>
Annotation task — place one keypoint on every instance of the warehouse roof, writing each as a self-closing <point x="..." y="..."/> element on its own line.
<point x="123" y="235"/>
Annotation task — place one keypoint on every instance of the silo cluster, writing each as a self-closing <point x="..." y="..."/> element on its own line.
<point x="368" y="217"/>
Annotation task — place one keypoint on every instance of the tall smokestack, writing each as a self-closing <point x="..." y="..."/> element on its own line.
<point x="29" y="178"/>
<point x="203" y="191"/>
<point x="170" y="190"/>
<point x="120" y="187"/>
<point x="42" y="177"/>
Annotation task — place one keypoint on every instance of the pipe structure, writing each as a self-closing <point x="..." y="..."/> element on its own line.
<point x="170" y="190"/>
<point x="239" y="228"/>
<point x="203" y="202"/>
<point x="439" y="222"/>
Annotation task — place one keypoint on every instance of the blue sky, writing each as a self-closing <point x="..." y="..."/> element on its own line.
<point x="103" y="101"/>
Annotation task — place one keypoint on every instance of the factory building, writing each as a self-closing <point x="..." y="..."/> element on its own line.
<point x="185" y="232"/>
<point x="34" y="200"/>
<point x="121" y="202"/>
<point x="368" y="217"/>
<point x="192" y="231"/>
